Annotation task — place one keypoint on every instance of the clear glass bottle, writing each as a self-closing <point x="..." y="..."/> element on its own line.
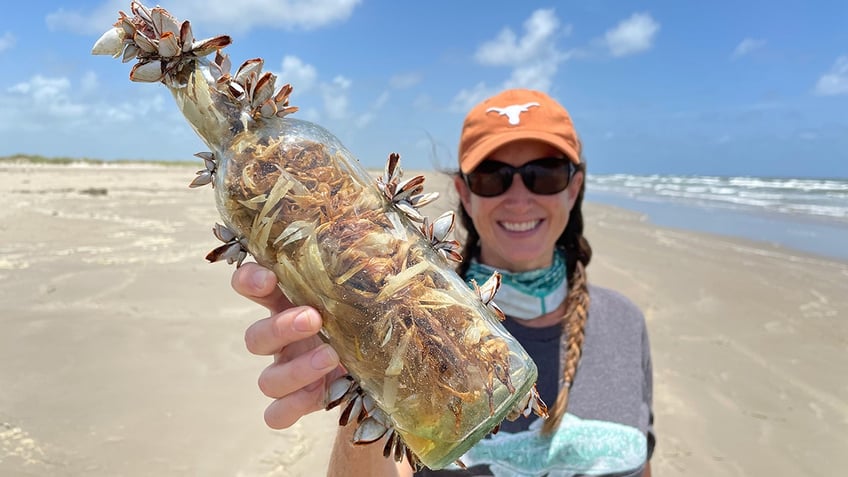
<point x="408" y="329"/>
<point x="406" y="326"/>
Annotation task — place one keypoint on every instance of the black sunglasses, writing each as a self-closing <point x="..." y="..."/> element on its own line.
<point x="545" y="176"/>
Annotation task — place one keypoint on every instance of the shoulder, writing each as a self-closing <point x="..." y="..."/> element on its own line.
<point x="613" y="307"/>
<point x="611" y="298"/>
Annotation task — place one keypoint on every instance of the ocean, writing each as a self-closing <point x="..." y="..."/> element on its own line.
<point x="808" y="215"/>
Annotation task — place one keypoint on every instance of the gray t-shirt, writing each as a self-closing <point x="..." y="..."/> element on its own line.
<point x="608" y="429"/>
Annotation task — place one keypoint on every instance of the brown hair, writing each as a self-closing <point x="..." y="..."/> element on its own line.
<point x="578" y="253"/>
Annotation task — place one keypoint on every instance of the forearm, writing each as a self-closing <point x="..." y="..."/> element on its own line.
<point x="348" y="460"/>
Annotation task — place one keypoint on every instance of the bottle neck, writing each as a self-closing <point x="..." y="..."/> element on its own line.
<point x="212" y="114"/>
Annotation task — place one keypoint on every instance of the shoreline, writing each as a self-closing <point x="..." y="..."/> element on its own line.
<point x="668" y="213"/>
<point x="808" y="234"/>
<point x="765" y="246"/>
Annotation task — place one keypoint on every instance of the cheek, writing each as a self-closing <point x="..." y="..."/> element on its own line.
<point x="559" y="207"/>
<point x="479" y="209"/>
<point x="472" y="206"/>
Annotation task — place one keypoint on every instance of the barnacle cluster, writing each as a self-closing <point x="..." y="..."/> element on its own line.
<point x="389" y="297"/>
<point x="431" y="368"/>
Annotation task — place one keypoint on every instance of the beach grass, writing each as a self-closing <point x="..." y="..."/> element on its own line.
<point x="58" y="161"/>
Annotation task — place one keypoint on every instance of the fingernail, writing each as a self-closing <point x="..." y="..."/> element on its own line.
<point x="261" y="277"/>
<point x="304" y="322"/>
<point x="324" y="357"/>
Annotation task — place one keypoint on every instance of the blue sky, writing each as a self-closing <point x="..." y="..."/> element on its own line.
<point x="726" y="88"/>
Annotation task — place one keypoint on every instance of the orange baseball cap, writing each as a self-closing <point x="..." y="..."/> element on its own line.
<point x="512" y="115"/>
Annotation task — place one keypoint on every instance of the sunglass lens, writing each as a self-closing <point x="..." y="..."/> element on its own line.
<point x="548" y="177"/>
<point x="543" y="176"/>
<point x="491" y="178"/>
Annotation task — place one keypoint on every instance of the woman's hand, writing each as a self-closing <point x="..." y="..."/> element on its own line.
<point x="303" y="364"/>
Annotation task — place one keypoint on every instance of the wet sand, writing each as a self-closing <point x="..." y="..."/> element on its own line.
<point x="121" y="349"/>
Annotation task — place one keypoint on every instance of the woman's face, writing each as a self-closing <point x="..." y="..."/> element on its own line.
<point x="519" y="229"/>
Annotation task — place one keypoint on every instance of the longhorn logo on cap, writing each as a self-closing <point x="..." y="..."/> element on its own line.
<point x="513" y="112"/>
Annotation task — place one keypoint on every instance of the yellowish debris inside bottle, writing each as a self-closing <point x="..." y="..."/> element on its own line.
<point x="436" y="361"/>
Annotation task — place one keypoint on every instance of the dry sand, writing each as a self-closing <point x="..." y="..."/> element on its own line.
<point x="121" y="349"/>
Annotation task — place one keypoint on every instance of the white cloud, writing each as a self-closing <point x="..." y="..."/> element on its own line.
<point x="423" y="102"/>
<point x="509" y="50"/>
<point x="836" y="80"/>
<point x="48" y="96"/>
<point x="304" y="77"/>
<point x="89" y="82"/>
<point x="48" y="104"/>
<point x="468" y="98"/>
<point x="381" y="100"/>
<point x="366" y="118"/>
<point x="240" y="16"/>
<point x="631" y="36"/>
<point x="7" y="41"/>
<point x="309" y="114"/>
<point x="92" y="22"/>
<point x="301" y="75"/>
<point x="73" y="117"/>
<point x="536" y="75"/>
<point x="533" y="57"/>
<point x="335" y="96"/>
<point x="404" y="81"/>
<point x="747" y="46"/>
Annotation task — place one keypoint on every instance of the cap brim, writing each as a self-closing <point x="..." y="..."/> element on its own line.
<point x="484" y="148"/>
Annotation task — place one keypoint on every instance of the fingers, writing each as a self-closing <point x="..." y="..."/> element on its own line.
<point x="259" y="285"/>
<point x="286" y="377"/>
<point x="270" y="335"/>
<point x="303" y="364"/>
<point x="298" y="386"/>
<point x="282" y="413"/>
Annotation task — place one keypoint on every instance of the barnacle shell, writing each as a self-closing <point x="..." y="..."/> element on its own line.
<point x="431" y="368"/>
<point x="110" y="43"/>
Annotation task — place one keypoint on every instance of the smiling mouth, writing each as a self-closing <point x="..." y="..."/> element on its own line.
<point x="520" y="226"/>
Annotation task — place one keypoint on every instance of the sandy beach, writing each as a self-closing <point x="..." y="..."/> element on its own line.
<point x="122" y="353"/>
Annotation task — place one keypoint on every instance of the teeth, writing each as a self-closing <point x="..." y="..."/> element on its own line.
<point x="520" y="226"/>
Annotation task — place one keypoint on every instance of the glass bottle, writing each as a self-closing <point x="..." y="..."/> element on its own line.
<point x="429" y="350"/>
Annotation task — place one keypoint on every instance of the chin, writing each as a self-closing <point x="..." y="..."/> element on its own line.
<point x="528" y="261"/>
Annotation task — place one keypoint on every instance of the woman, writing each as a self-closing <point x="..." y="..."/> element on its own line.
<point x="521" y="185"/>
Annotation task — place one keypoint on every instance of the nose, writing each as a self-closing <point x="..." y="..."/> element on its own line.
<point x="518" y="190"/>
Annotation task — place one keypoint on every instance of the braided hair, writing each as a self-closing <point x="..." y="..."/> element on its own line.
<point x="578" y="253"/>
